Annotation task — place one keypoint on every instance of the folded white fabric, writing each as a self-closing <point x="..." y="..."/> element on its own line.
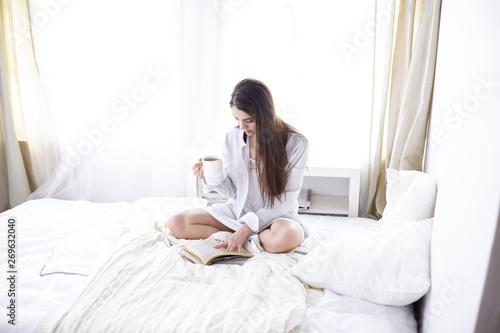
<point x="384" y="266"/>
<point x="76" y="254"/>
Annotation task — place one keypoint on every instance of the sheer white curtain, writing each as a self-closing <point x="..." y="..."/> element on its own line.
<point x="134" y="91"/>
<point x="140" y="91"/>
<point x="27" y="151"/>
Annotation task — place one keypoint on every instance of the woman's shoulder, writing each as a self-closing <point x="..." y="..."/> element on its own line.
<point x="234" y="136"/>
<point x="297" y="145"/>
<point x="235" y="131"/>
<point x="297" y="139"/>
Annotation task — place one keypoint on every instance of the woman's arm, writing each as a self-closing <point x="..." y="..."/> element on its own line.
<point x="226" y="186"/>
<point x="235" y="242"/>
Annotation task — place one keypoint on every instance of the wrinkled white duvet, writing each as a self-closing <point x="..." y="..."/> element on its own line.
<point x="147" y="286"/>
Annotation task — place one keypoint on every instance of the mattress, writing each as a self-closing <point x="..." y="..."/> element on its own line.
<point x="59" y="243"/>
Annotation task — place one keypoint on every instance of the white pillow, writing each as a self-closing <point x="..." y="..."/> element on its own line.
<point x="388" y="267"/>
<point x="410" y="196"/>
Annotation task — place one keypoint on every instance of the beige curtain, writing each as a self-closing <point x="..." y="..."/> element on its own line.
<point x="27" y="149"/>
<point x="404" y="62"/>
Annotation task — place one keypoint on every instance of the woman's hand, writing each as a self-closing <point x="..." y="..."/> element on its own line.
<point x="198" y="169"/>
<point x="236" y="240"/>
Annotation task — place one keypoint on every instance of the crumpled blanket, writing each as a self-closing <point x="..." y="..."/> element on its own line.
<point x="146" y="285"/>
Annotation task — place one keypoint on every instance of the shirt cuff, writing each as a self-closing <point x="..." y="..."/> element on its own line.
<point x="252" y="220"/>
<point x="209" y="188"/>
<point x="205" y="187"/>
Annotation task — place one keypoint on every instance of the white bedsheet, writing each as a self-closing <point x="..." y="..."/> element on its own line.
<point x="147" y="286"/>
<point x="45" y="225"/>
<point x="343" y="314"/>
<point x="41" y="224"/>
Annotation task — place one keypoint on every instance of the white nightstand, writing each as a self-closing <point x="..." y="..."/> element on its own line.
<point x="335" y="191"/>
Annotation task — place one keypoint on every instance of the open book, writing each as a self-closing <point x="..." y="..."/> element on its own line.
<point x="203" y="252"/>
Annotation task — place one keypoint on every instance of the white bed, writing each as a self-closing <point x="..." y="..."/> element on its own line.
<point x="61" y="244"/>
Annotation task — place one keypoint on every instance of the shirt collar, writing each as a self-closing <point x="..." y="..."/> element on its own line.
<point x="244" y="139"/>
<point x="245" y="150"/>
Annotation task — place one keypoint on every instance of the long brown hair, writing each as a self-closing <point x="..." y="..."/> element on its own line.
<point x="273" y="168"/>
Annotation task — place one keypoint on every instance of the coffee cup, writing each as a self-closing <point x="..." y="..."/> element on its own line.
<point x="212" y="170"/>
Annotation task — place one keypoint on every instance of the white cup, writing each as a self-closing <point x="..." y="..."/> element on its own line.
<point x="212" y="170"/>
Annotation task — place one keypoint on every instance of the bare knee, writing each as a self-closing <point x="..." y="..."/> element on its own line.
<point x="290" y="240"/>
<point x="282" y="241"/>
<point x="177" y="225"/>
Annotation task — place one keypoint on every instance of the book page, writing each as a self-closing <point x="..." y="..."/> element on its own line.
<point x="205" y="248"/>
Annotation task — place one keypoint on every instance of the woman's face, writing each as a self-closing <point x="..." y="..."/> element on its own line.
<point x="245" y="121"/>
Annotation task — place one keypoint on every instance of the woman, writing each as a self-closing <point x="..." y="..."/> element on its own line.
<point x="265" y="159"/>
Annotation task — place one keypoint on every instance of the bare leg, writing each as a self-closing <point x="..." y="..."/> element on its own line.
<point x="194" y="223"/>
<point x="281" y="236"/>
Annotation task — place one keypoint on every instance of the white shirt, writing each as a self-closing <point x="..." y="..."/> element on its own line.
<point x="235" y="185"/>
<point x="254" y="198"/>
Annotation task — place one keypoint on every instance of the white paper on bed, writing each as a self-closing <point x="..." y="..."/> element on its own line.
<point x="146" y="285"/>
<point x="77" y="253"/>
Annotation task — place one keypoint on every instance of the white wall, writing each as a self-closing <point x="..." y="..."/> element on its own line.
<point x="464" y="156"/>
